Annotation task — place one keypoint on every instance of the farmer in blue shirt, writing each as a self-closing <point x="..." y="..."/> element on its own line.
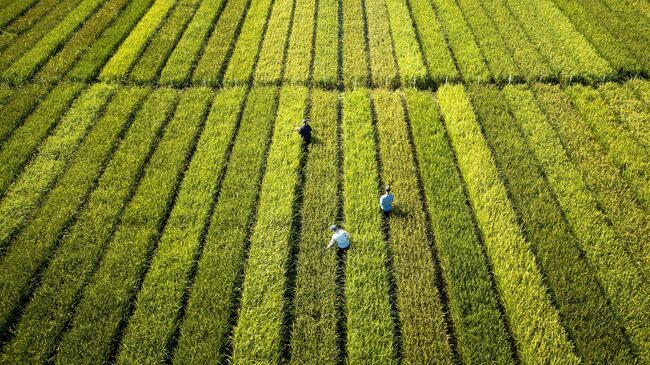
<point x="340" y="237"/>
<point x="386" y="202"/>
<point x="305" y="131"/>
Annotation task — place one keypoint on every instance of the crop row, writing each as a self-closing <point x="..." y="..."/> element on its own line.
<point x="22" y="23"/>
<point x="300" y="47"/>
<point x="633" y="113"/>
<point x="16" y="110"/>
<point x="326" y="48"/>
<point x="269" y="67"/>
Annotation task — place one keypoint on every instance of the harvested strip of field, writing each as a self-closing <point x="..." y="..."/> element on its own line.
<point x="430" y="35"/>
<point x="534" y="322"/>
<point x="264" y="283"/>
<point x="407" y="49"/>
<point x="240" y="66"/>
<point x="299" y="53"/>
<point x="222" y="41"/>
<point x="631" y="110"/>
<point x="80" y="250"/>
<point x="326" y="56"/>
<point x="382" y="63"/>
<point x="205" y="332"/>
<point x="154" y="56"/>
<point x="122" y="60"/>
<point x="355" y="66"/>
<point x="623" y="281"/>
<point x="154" y="320"/>
<point x="314" y="336"/>
<point x="25" y="66"/>
<point x="614" y="195"/>
<point x="370" y="327"/>
<point x="598" y="335"/>
<point x="59" y="64"/>
<point x="24" y="195"/>
<point x="629" y="155"/>
<point x="179" y="65"/>
<point x="18" y="108"/>
<point x="18" y="149"/>
<point x="94" y="57"/>
<point x="37" y="241"/>
<point x="422" y="325"/>
<point x="461" y="40"/>
<point x="106" y="300"/>
<point x="480" y="331"/>
<point x="268" y="69"/>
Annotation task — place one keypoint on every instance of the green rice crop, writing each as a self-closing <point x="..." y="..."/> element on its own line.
<point x="632" y="112"/>
<point x="299" y="53"/>
<point x="107" y="297"/>
<point x="314" y="336"/>
<point x="534" y="321"/>
<point x="326" y="56"/>
<point x="52" y="306"/>
<point x="206" y="329"/>
<point x="25" y="21"/>
<point x="623" y="281"/>
<point x="154" y="320"/>
<point x="355" y="67"/>
<point x="14" y="9"/>
<point x="22" y="103"/>
<point x="24" y="195"/>
<point x="261" y="312"/>
<point x="473" y="305"/>
<point x="271" y="59"/>
<point x="185" y="55"/>
<point x="383" y="69"/>
<point x="36" y="242"/>
<point x="369" y="324"/>
<point x="423" y="330"/>
<point x="597" y="333"/>
<point x="407" y="50"/>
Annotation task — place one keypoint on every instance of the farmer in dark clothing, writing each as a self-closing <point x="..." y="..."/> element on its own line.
<point x="305" y="131"/>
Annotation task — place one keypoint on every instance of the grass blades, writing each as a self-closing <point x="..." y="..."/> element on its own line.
<point x="147" y="69"/>
<point x="632" y="112"/>
<point x="94" y="57"/>
<point x="18" y="148"/>
<point x="185" y="55"/>
<point x="154" y="321"/>
<point x="423" y="330"/>
<point x="82" y="247"/>
<point x="326" y="55"/>
<point x="205" y="332"/>
<point x="240" y="66"/>
<point x="268" y="70"/>
<point x="627" y="153"/>
<point x="13" y="9"/>
<point x="473" y="305"/>
<point x="598" y="335"/>
<point x="25" y="21"/>
<point x="261" y="313"/>
<point x="439" y="61"/>
<point x="407" y="50"/>
<point x="107" y="299"/>
<point x="534" y="322"/>
<point x="623" y="281"/>
<point x="355" y="66"/>
<point x="380" y="43"/>
<point x="299" y="53"/>
<point x="314" y="336"/>
<point x="60" y="63"/>
<point x="369" y="322"/>
<point x="222" y="41"/>
<point x="22" y="103"/>
<point x="614" y="195"/>
<point x="6" y="92"/>
<point x="24" y="195"/>
<point x="37" y="241"/>
<point x="121" y="61"/>
<point x="468" y="56"/>
<point x="25" y="66"/>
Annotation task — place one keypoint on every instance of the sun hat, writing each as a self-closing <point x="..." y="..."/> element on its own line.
<point x="333" y="227"/>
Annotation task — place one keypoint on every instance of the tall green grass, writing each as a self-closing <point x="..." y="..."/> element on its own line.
<point x="37" y="241"/>
<point x="596" y="331"/>
<point x="22" y="103"/>
<point x="154" y="321"/>
<point x="423" y="330"/>
<point x="24" y="195"/>
<point x="407" y="49"/>
<point x="623" y="281"/>
<point x="632" y="112"/>
<point x="326" y="56"/>
<point x="473" y="305"/>
<point x="271" y="59"/>
<point x="25" y="21"/>
<point x="258" y="334"/>
<point x="383" y="69"/>
<point x="355" y="67"/>
<point x="107" y="298"/>
<point x="206" y="330"/>
<point x="370" y="336"/>
<point x="300" y="48"/>
<point x="14" y="9"/>
<point x="80" y="249"/>
<point x="314" y="336"/>
<point x="534" y="321"/>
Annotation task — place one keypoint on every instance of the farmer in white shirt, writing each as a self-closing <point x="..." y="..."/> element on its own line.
<point x="386" y="202"/>
<point x="340" y="237"/>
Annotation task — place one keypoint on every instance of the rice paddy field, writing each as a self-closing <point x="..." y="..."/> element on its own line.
<point x="157" y="206"/>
